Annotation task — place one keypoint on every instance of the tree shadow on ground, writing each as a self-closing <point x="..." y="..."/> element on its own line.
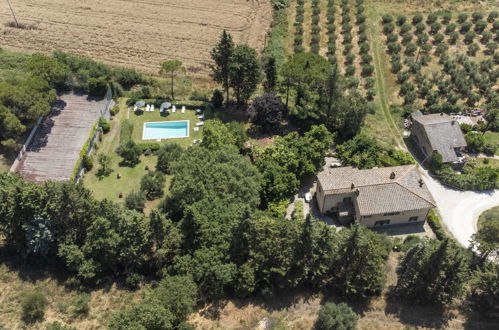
<point x="409" y="313"/>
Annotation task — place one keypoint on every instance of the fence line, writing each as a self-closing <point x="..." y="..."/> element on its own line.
<point x="25" y="146"/>
<point x="105" y="112"/>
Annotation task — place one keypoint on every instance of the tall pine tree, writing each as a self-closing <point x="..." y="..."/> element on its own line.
<point x="270" y="75"/>
<point x="222" y="55"/>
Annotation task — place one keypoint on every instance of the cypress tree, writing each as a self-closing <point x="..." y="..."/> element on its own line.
<point x="222" y="55"/>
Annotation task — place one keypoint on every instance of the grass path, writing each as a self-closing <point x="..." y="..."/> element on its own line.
<point x="382" y="98"/>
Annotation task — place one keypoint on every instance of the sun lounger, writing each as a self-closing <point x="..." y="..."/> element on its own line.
<point x="152" y="107"/>
<point x="198" y="111"/>
<point x="196" y="129"/>
<point x="195" y="141"/>
<point x="200" y="117"/>
<point x="147" y="107"/>
<point x="174" y="109"/>
<point x="201" y="123"/>
<point x="183" y="109"/>
<point x="135" y="108"/>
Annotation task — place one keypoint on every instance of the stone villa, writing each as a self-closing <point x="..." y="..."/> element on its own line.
<point x="374" y="197"/>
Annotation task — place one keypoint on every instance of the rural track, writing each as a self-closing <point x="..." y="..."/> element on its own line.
<point x="380" y="80"/>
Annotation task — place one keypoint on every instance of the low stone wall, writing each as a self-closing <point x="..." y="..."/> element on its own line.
<point x="20" y="155"/>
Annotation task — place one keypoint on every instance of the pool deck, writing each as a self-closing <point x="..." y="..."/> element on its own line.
<point x="55" y="148"/>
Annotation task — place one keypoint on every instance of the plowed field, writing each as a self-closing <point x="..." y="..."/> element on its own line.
<point x="135" y="33"/>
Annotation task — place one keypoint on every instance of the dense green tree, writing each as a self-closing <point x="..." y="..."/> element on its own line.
<point x="216" y="135"/>
<point x="171" y="67"/>
<point x="167" y="154"/>
<point x="432" y="272"/>
<point x="485" y="290"/>
<point x="135" y="201"/>
<point x="486" y="239"/>
<point x="49" y="69"/>
<point x="244" y="72"/>
<point x="360" y="265"/>
<point x="475" y="142"/>
<point x="267" y="111"/>
<point x="336" y="317"/>
<point x="217" y="99"/>
<point x="304" y="75"/>
<point x="222" y="57"/>
<point x="202" y="174"/>
<point x="270" y="75"/>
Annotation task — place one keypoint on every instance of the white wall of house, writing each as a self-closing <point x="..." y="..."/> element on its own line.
<point x="395" y="219"/>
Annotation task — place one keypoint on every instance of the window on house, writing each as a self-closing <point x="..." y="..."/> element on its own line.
<point x="347" y="199"/>
<point x="412" y="219"/>
<point x="392" y="213"/>
<point x="382" y="223"/>
<point x="367" y="216"/>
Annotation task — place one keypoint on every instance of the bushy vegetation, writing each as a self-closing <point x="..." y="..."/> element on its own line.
<point x="336" y="316"/>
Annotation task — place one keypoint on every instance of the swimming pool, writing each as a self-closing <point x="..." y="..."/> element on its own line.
<point x="165" y="130"/>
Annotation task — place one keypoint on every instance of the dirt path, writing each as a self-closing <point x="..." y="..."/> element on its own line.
<point x="460" y="210"/>
<point x="382" y="98"/>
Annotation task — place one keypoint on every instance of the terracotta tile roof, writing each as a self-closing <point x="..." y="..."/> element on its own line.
<point x="444" y="134"/>
<point x="380" y="190"/>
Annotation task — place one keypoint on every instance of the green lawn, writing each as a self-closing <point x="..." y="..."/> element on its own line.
<point x="110" y="187"/>
<point x="492" y="138"/>
<point x="493" y="213"/>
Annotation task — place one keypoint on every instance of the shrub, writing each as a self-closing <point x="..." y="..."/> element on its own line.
<point x="441" y="48"/>
<point x="364" y="48"/>
<point x="298" y="211"/>
<point x="388" y="28"/>
<point x="410" y="49"/>
<point x="135" y="201"/>
<point x="347" y="38"/>
<point x="417" y="18"/>
<point x="87" y="163"/>
<point x="332" y="317"/>
<point x="393" y="48"/>
<point x="130" y="152"/>
<point x="298" y="40"/>
<point x="114" y="110"/>
<point x="362" y="37"/>
<point x="461" y="18"/>
<point x="469" y="37"/>
<point x="385" y="19"/>
<point x="80" y="305"/>
<point x="476" y="16"/>
<point x="401" y="20"/>
<point x="104" y="125"/>
<point x="431" y="18"/>
<point x="492" y="16"/>
<point x="406" y="38"/>
<point x="472" y="49"/>
<point x="480" y="26"/>
<point x="347" y="49"/>
<point x="435" y="27"/>
<point x="420" y="27"/>
<point x="370" y="94"/>
<point x="152" y="184"/>
<point x="491" y="47"/>
<point x="349" y="59"/>
<point x="350" y="70"/>
<point x="33" y="306"/>
<point x="369" y="82"/>
<point x="453" y="38"/>
<point x="316" y="29"/>
<point x="446" y="18"/>
<point x="346" y="28"/>
<point x="315" y="48"/>
<point x="217" y="98"/>
<point x="97" y="87"/>
<point x="405" y="28"/>
<point x="450" y="28"/>
<point x="486" y="37"/>
<point x="360" y="19"/>
<point x="465" y="27"/>
<point x="166" y="155"/>
<point x="438" y="38"/>
<point x="367" y="70"/>
<point x="392" y="38"/>
<point x="366" y="58"/>
<point x="362" y="28"/>
<point x="315" y="39"/>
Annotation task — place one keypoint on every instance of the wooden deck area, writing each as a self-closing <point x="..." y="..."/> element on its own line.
<point x="56" y="146"/>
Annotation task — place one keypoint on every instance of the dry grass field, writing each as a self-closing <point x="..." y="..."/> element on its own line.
<point x="133" y="33"/>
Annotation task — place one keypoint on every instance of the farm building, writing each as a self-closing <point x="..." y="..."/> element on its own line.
<point x="438" y="132"/>
<point x="374" y="197"/>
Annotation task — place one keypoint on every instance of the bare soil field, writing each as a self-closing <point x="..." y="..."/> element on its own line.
<point x="133" y="33"/>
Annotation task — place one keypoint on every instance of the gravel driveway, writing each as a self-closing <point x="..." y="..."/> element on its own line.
<point x="460" y="210"/>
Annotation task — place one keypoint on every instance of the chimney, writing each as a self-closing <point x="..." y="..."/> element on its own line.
<point x="392" y="175"/>
<point x="352" y="186"/>
<point x="357" y="192"/>
<point x="420" y="182"/>
<point x="441" y="113"/>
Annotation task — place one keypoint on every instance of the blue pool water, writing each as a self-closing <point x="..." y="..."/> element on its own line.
<point x="166" y="130"/>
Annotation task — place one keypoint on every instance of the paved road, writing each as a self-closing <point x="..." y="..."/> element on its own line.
<point x="460" y="209"/>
